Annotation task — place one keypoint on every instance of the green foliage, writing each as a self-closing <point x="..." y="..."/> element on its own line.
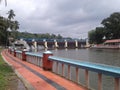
<point x="91" y="36"/>
<point x="5" y="72"/>
<point x="5" y="24"/>
<point x="34" y="35"/>
<point x="112" y="26"/>
<point x="11" y="14"/>
<point x="110" y="29"/>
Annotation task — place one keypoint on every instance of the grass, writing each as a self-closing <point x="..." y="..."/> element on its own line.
<point x="5" y="73"/>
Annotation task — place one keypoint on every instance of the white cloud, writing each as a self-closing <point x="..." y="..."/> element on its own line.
<point x="72" y="18"/>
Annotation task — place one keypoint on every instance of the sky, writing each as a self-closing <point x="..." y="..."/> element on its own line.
<point x="69" y="18"/>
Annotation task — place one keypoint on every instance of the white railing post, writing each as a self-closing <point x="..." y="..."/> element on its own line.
<point x="87" y="78"/>
<point x="117" y="84"/>
<point x="77" y="75"/>
<point x="69" y="75"/>
<point x="62" y="69"/>
<point x="99" y="81"/>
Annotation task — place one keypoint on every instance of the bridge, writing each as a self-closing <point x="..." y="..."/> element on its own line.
<point x="57" y="43"/>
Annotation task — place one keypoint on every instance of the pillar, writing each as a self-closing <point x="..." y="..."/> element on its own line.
<point x="76" y="43"/>
<point x="117" y="85"/>
<point x="14" y="53"/>
<point x="47" y="64"/>
<point x="10" y="51"/>
<point x="23" y="56"/>
<point x="35" y="45"/>
<point x="56" y="44"/>
<point x="66" y="44"/>
<point x="45" y="44"/>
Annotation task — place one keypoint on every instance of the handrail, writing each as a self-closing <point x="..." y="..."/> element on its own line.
<point x="18" y="51"/>
<point x="47" y="62"/>
<point x="95" y="67"/>
<point x="34" y="54"/>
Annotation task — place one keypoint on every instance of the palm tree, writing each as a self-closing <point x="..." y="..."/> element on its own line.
<point x="3" y="29"/>
<point x="14" y="25"/>
<point x="11" y="14"/>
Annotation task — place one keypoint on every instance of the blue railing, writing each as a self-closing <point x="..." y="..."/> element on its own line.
<point x="37" y="59"/>
<point x="95" y="67"/>
<point x="18" y="51"/>
<point x="34" y="54"/>
<point x="34" y="58"/>
<point x="87" y="66"/>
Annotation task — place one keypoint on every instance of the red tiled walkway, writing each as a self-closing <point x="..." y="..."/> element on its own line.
<point x="38" y="78"/>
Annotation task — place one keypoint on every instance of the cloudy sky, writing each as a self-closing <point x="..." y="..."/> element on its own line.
<point x="70" y="18"/>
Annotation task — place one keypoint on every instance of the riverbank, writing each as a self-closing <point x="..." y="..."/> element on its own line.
<point x="8" y="79"/>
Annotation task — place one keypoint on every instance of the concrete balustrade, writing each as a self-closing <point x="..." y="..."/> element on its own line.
<point x="34" y="58"/>
<point x="47" y="60"/>
<point x="87" y="66"/>
<point x="19" y="54"/>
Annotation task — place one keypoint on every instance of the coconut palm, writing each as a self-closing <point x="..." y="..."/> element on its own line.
<point x="3" y="29"/>
<point x="14" y="25"/>
<point x="11" y="14"/>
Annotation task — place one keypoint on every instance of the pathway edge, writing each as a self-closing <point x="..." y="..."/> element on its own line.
<point x="25" y="82"/>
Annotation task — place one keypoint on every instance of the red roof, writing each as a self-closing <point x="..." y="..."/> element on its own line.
<point x="112" y="41"/>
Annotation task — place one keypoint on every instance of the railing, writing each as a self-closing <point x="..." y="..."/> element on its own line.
<point x="87" y="66"/>
<point x="19" y="54"/>
<point x="47" y="62"/>
<point x="31" y="57"/>
<point x="34" y="58"/>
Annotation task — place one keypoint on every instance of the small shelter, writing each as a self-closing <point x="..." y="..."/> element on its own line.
<point x="112" y="42"/>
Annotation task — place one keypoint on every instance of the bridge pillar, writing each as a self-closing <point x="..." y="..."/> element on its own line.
<point x="56" y="44"/>
<point x="45" y="44"/>
<point x="35" y="45"/>
<point x="76" y="43"/>
<point x="47" y="64"/>
<point x="87" y="43"/>
<point x="66" y="44"/>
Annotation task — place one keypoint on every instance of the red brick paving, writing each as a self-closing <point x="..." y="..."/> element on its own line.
<point x="37" y="82"/>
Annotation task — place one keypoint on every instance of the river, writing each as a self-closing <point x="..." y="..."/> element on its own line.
<point x="102" y="56"/>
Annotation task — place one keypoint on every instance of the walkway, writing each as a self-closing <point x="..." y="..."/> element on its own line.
<point x="37" y="77"/>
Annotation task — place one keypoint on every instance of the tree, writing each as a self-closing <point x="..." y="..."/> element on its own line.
<point x="11" y="14"/>
<point x="99" y="34"/>
<point x="96" y="36"/>
<point x="91" y="36"/>
<point x="112" y="26"/>
<point x="59" y="36"/>
<point x="110" y="29"/>
<point x="14" y="25"/>
<point x="5" y="24"/>
<point x="3" y="29"/>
